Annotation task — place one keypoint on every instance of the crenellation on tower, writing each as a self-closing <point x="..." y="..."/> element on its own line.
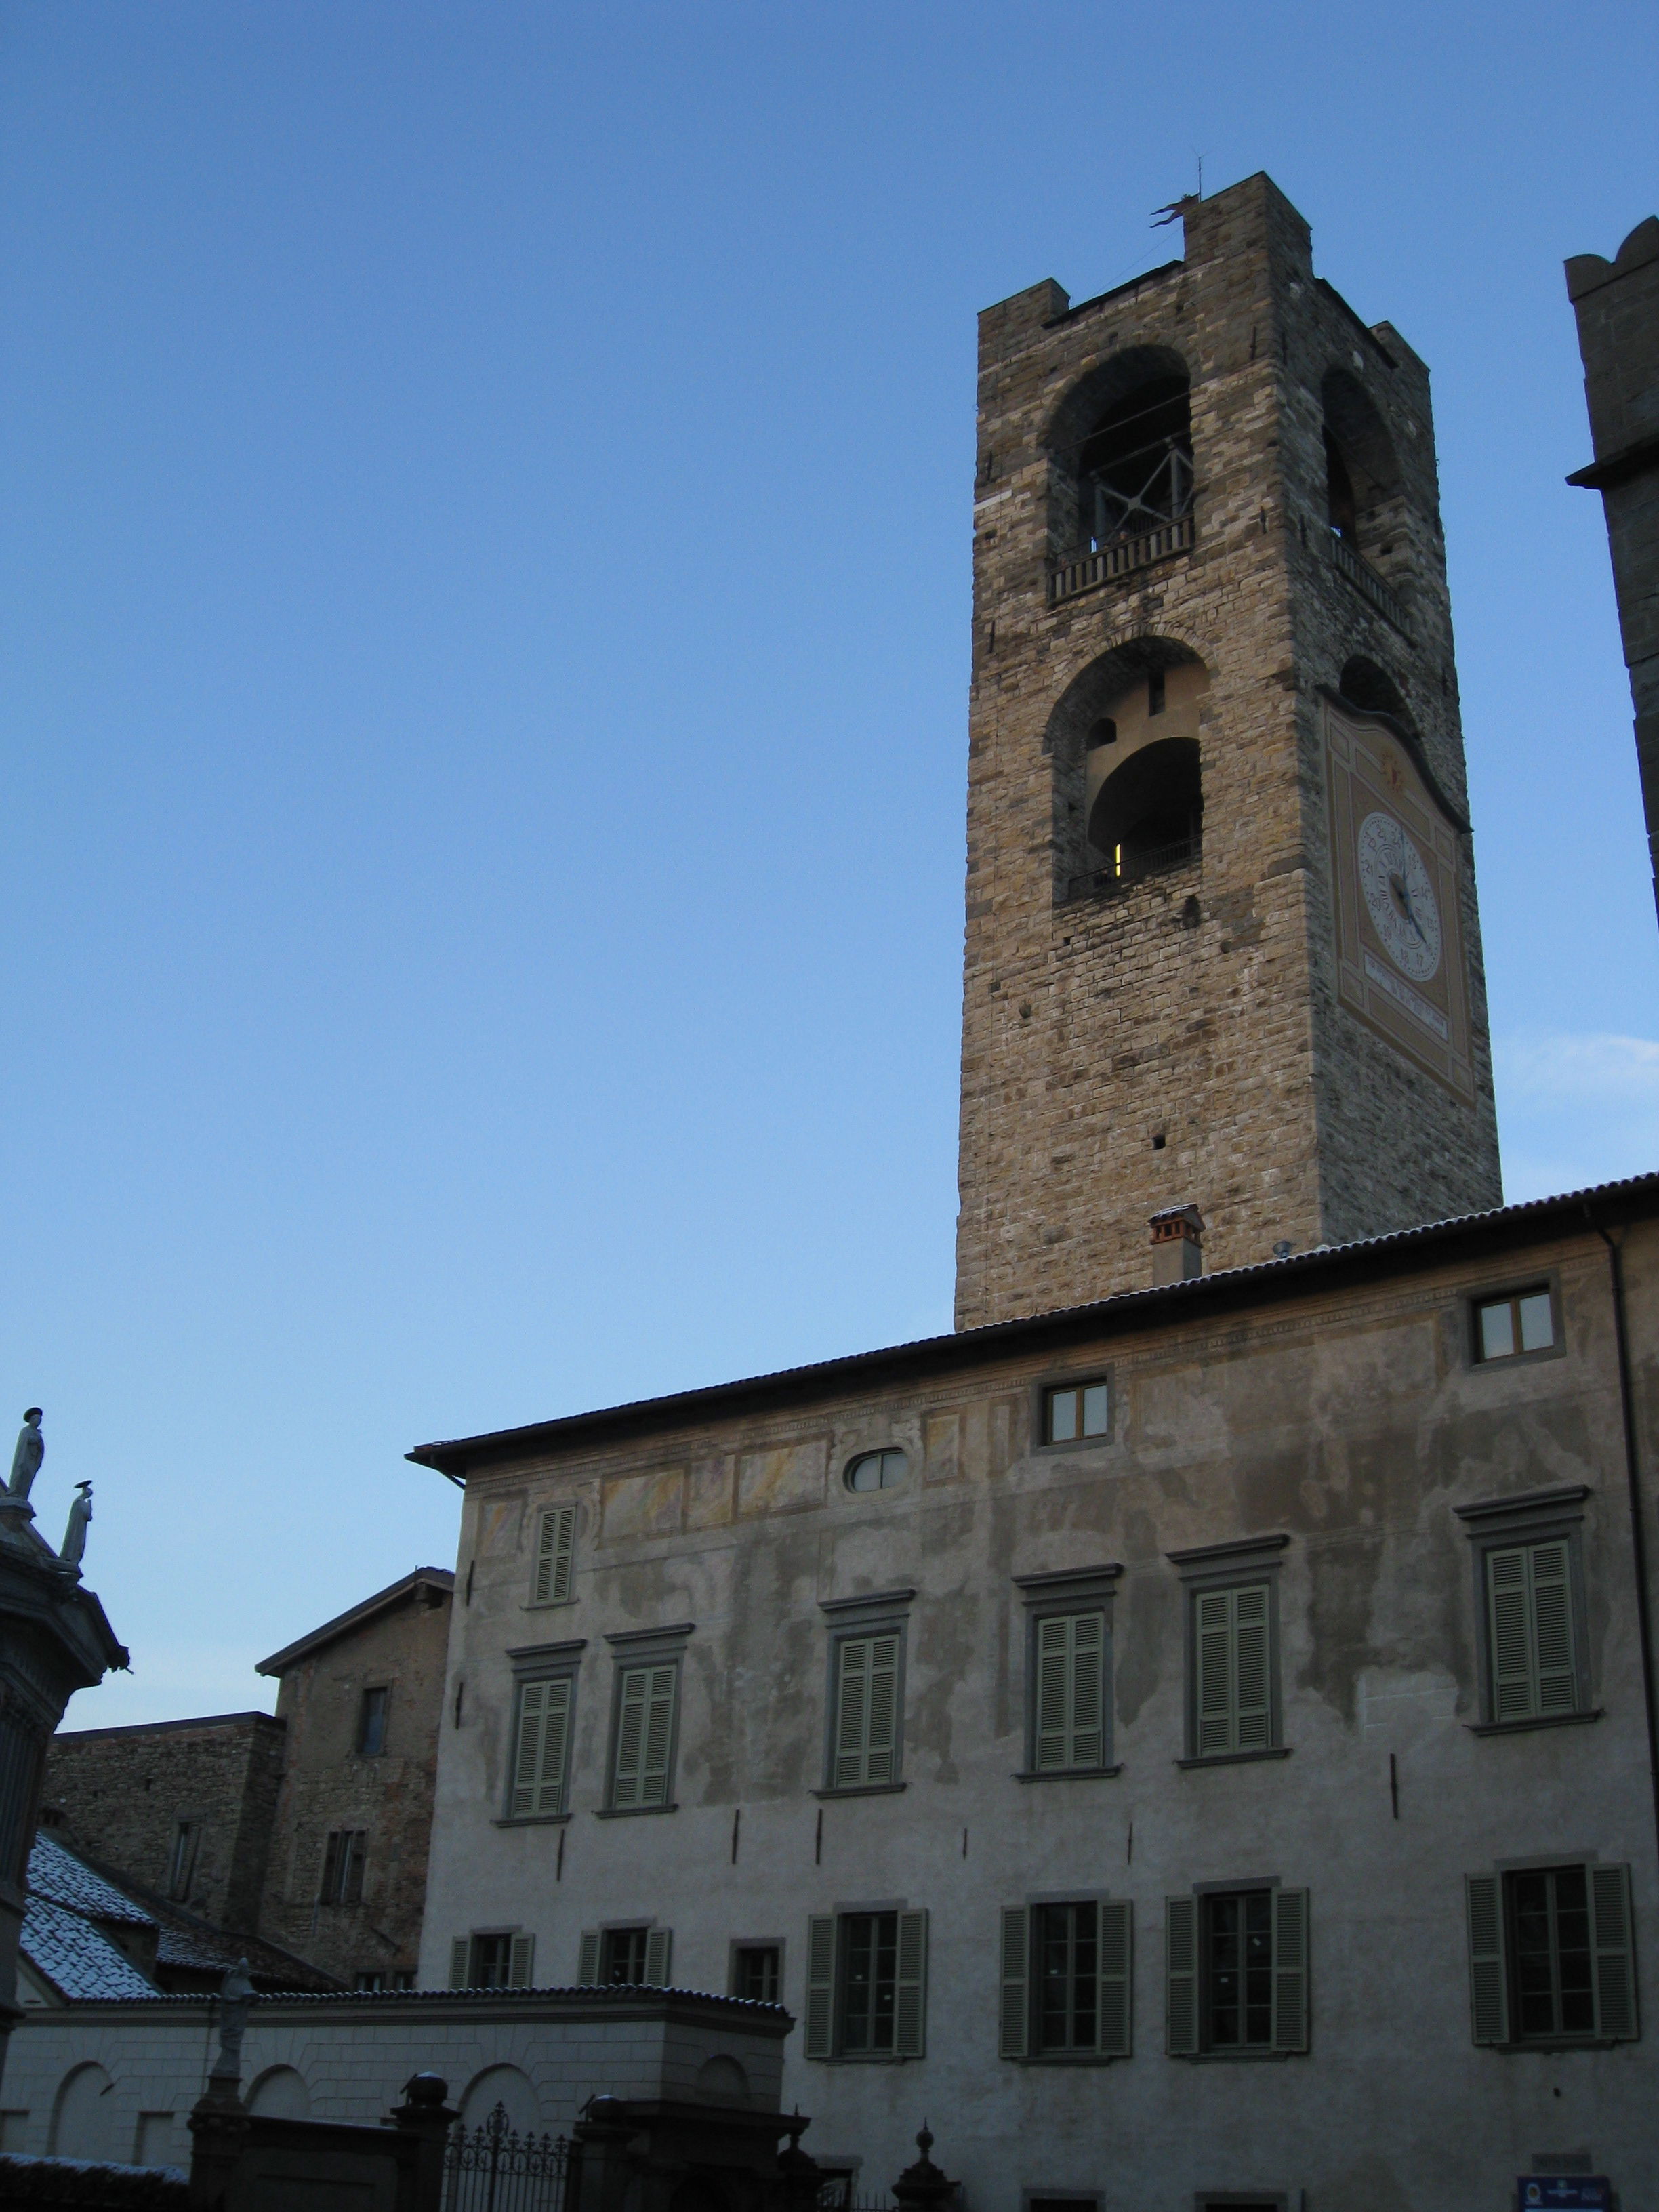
<point x="1211" y="635"/>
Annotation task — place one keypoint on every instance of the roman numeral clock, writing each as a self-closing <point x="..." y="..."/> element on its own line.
<point x="1396" y="871"/>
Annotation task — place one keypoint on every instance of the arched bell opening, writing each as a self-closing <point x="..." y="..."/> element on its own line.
<point x="1124" y="740"/>
<point x="1373" y="691"/>
<point x="1122" y="448"/>
<point x="1363" y="500"/>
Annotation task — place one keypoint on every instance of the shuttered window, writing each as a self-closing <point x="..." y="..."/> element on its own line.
<point x="645" y="1736"/>
<point x="492" y="1962"/>
<point x="1235" y="1973"/>
<point x="866" y="1985"/>
<point x="1551" y="1958"/>
<point x="864" y="1738"/>
<point x="1070" y="1718"/>
<point x="1232" y="1661"/>
<point x="344" y="1859"/>
<point x="1067" y="1980"/>
<point x="556" y="1545"/>
<point x="542" y="1751"/>
<point x="1532" y="1645"/>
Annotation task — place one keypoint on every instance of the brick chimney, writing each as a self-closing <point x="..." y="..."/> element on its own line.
<point x="1177" y="1244"/>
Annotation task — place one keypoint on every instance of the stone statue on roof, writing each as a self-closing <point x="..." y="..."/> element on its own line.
<point x="26" y="1458"/>
<point x="74" y="1536"/>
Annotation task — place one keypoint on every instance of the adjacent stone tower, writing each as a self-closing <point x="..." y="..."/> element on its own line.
<point x="1223" y="949"/>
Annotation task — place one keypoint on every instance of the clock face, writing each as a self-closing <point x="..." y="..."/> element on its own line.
<point x="1398" y="897"/>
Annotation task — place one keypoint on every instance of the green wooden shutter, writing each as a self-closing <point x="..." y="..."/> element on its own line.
<point x="1514" y="1680"/>
<point x="867" y="1712"/>
<point x="658" y="1956"/>
<point x="910" y="1996"/>
<point x="1615" y="1957"/>
<point x="1489" y="1978"/>
<point x="521" y="1963"/>
<point x="555" y="1745"/>
<point x="461" y="1961"/>
<point x="820" y="2042"/>
<point x="1290" y="2026"/>
<point x="555" y="1553"/>
<point x="1088" y="1714"/>
<point x="1014" y="2015"/>
<point x="1116" y="1977"/>
<point x="1214" y="1640"/>
<point x="544" y="1733"/>
<point x="645" y="1736"/>
<point x="1181" y="1976"/>
<point x="1253" y="1725"/>
<point x="1052" y="1692"/>
<point x="1547" y="1566"/>
<point x="587" y="1959"/>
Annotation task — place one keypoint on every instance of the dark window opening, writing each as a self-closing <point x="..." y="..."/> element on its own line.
<point x="1238" y="1970"/>
<point x="756" y="1973"/>
<point x="1365" y="685"/>
<point x="404" y="1978"/>
<point x="621" y="1956"/>
<point x="1102" y="732"/>
<point x="1148" y="814"/>
<point x="1550" y="1932"/>
<point x="492" y="1959"/>
<point x="371" y="1723"/>
<point x="181" y="1865"/>
<point x="1136" y="469"/>
<point x="869" y="1981"/>
<point x="1341" y="508"/>
<point x="1159" y="1141"/>
<point x="369" y="1982"/>
<point x="342" y="1867"/>
<point x="1069" y="1977"/>
<point x="1155" y="692"/>
<point x="1074" y="1411"/>
<point x="1523" y="1322"/>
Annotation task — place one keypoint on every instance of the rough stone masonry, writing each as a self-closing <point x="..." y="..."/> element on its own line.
<point x="1179" y="1040"/>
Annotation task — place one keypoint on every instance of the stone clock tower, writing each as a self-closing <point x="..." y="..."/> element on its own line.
<point x="1223" y="949"/>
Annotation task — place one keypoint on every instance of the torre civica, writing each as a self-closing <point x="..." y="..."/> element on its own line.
<point x="1190" y="1733"/>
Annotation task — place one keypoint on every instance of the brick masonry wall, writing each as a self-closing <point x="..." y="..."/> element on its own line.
<point x="1090" y="1026"/>
<point x="328" y="1786"/>
<point x="122" y="1792"/>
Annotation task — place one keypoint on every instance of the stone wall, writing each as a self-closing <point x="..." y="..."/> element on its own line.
<point x="1180" y="1042"/>
<point x="1617" y="305"/>
<point x="123" y="1791"/>
<point x="542" y="2053"/>
<point x="330" y="1786"/>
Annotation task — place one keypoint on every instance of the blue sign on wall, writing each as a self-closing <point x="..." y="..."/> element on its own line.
<point x="1566" y="2193"/>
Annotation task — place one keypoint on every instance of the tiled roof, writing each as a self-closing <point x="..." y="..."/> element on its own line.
<point x="78" y="1960"/>
<point x="57" y="1875"/>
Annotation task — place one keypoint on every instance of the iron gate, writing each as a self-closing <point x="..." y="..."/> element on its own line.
<point x="493" y="2168"/>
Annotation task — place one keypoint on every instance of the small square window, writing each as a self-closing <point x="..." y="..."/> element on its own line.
<point x="622" y="1957"/>
<point x="492" y="1962"/>
<point x="1073" y="1413"/>
<point x="368" y="1984"/>
<point x="1522" y="1322"/>
<point x="371" y="1723"/>
<point x="756" y="1972"/>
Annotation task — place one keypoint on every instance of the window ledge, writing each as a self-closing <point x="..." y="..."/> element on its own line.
<point x="865" y="1789"/>
<point x="1536" y="1721"/>
<point x="867" y="2058"/>
<point x="1067" y="1773"/>
<point x="629" y="1812"/>
<point x="528" y="1820"/>
<point x="1237" y="2057"/>
<point x="1070" y="2058"/>
<point x="1560" y="2043"/>
<point x="547" y="1604"/>
<point x="1236" y="1758"/>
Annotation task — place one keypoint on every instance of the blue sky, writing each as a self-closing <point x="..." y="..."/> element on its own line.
<point x="485" y="619"/>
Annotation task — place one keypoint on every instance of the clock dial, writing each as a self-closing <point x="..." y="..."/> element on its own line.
<point x="1400" y="896"/>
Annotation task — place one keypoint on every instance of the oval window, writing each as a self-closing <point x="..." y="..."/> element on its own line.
<point x="878" y="1470"/>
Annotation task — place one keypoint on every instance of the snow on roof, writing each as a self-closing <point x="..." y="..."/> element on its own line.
<point x="59" y="1875"/>
<point x="75" y="1957"/>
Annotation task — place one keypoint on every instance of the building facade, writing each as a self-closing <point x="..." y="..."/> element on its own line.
<point x="1192" y="1744"/>
<point x="360" y="1706"/>
<point x="1223" y="947"/>
<point x="1617" y="307"/>
<point x="307" y="1828"/>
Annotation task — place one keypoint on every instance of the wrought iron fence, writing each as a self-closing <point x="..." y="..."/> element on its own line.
<point x="493" y="2168"/>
